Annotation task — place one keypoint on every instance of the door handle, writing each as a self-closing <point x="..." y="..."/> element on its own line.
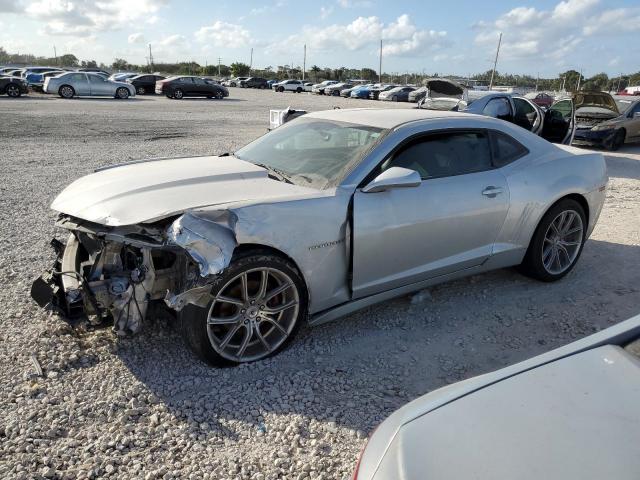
<point x="491" y="192"/>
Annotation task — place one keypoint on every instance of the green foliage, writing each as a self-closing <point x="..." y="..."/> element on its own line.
<point x="239" y="69"/>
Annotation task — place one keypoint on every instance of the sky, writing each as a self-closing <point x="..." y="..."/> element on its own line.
<point x="456" y="37"/>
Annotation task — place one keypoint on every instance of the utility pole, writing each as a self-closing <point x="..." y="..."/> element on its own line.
<point x="251" y="61"/>
<point x="537" y="80"/>
<point x="495" y="63"/>
<point x="219" y="61"/>
<point x="150" y="58"/>
<point x="619" y="80"/>
<point x="304" y="61"/>
<point x="55" y="55"/>
<point x="380" y="72"/>
<point x="564" y="78"/>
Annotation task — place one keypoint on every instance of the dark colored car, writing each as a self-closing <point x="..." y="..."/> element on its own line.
<point x="374" y="94"/>
<point x="13" y="86"/>
<point x="254" y="82"/>
<point x="145" y="84"/>
<point x="180" y="87"/>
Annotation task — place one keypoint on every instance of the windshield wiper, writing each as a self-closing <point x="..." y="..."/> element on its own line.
<point x="275" y="173"/>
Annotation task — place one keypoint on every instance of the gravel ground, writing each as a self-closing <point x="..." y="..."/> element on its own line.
<point x="144" y="407"/>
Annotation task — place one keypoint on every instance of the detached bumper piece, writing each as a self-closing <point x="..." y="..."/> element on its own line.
<point x="48" y="292"/>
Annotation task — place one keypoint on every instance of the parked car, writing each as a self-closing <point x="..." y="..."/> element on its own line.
<point x="571" y="413"/>
<point x="16" y="73"/>
<point x="93" y="70"/>
<point x="83" y="84"/>
<point x="36" y="79"/>
<point x="556" y="125"/>
<point x="13" y="86"/>
<point x="271" y="83"/>
<point x="180" y="87"/>
<point x="346" y="92"/>
<point x="146" y="83"/>
<point x="600" y="122"/>
<point x="122" y="76"/>
<point x="289" y="86"/>
<point x="418" y="94"/>
<point x="363" y="91"/>
<point x="318" y="88"/>
<point x="233" y="82"/>
<point x="336" y="88"/>
<point x="254" y="82"/>
<point x="317" y="219"/>
<point x="307" y="86"/>
<point x="541" y="99"/>
<point x="397" y="94"/>
<point x="375" y="92"/>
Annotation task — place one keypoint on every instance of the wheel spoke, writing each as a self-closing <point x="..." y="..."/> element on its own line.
<point x="547" y="255"/>
<point x="229" y="336"/>
<point x="568" y="244"/>
<point x="274" y="323"/>
<point x="245" y="287"/>
<point x="233" y="301"/>
<point x="246" y="339"/>
<point x="263" y="340"/>
<point x="572" y="231"/>
<point x="264" y="279"/>
<point x="278" y="290"/>
<point x="223" y="320"/>
<point x="280" y="308"/>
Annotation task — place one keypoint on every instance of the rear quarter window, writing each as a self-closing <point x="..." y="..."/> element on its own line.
<point x="505" y="149"/>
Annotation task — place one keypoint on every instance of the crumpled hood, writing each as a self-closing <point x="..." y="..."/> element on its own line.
<point x="595" y="99"/>
<point x="442" y="87"/>
<point x="151" y="190"/>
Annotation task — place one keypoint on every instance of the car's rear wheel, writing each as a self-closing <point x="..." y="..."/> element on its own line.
<point x="617" y="141"/>
<point x="219" y="95"/>
<point x="557" y="242"/>
<point x="66" y="91"/>
<point x="178" y="94"/>
<point x="13" y="90"/>
<point x="258" y="304"/>
<point x="122" y="93"/>
<point x="280" y="89"/>
<point x="141" y="90"/>
<point x="298" y="90"/>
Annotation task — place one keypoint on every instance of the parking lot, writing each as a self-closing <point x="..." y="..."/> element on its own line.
<point x="144" y="407"/>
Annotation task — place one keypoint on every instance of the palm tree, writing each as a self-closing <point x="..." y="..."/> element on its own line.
<point x="315" y="69"/>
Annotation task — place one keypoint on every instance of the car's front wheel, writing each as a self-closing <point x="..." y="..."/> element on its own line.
<point x="258" y="304"/>
<point x="178" y="94"/>
<point x="616" y="141"/>
<point x="141" y="90"/>
<point x="557" y="242"/>
<point x="122" y="93"/>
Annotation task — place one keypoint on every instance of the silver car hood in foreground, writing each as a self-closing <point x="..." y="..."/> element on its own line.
<point x="151" y="190"/>
<point x="571" y="413"/>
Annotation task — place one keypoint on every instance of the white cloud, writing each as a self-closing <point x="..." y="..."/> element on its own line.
<point x="354" y="3"/>
<point x="528" y="32"/>
<point x="616" y="20"/>
<point x="136" y="38"/>
<point x="401" y="37"/>
<point x="86" y="17"/>
<point x="325" y="12"/>
<point x="222" y="34"/>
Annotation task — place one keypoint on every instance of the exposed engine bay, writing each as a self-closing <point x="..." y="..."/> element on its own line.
<point x="113" y="273"/>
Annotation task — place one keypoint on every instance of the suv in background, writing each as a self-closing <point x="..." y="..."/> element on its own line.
<point x="289" y="85"/>
<point x="254" y="82"/>
<point x="180" y="87"/>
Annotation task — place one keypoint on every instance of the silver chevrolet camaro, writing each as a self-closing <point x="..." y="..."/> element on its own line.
<point x="327" y="214"/>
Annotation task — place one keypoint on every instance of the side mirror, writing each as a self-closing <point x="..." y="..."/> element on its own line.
<point x="395" y="177"/>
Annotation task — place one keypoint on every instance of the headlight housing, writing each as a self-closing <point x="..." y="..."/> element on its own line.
<point x="601" y="128"/>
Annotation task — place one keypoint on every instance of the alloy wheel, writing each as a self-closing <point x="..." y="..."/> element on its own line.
<point x="141" y="90"/>
<point x="178" y="94"/>
<point x="13" y="91"/>
<point x="122" y="93"/>
<point x="562" y="242"/>
<point x="253" y="314"/>
<point x="66" y="91"/>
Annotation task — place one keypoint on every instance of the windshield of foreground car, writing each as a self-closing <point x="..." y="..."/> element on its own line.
<point x="312" y="152"/>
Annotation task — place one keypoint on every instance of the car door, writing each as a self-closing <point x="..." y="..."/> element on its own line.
<point x="80" y="83"/>
<point x="447" y="223"/>
<point x="187" y="86"/>
<point x="527" y="115"/>
<point x="632" y="125"/>
<point x="99" y="86"/>
<point x="560" y="122"/>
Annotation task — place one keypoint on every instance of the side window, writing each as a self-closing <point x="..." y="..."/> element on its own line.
<point x="445" y="155"/>
<point x="498" y="108"/>
<point x="96" y="79"/>
<point x="78" y="77"/>
<point x="635" y="109"/>
<point x="186" y="80"/>
<point x="199" y="81"/>
<point x="506" y="149"/>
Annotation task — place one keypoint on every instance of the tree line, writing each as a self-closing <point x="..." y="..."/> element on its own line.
<point x="570" y="80"/>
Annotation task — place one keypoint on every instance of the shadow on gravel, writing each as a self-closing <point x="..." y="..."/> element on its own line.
<point x="354" y="372"/>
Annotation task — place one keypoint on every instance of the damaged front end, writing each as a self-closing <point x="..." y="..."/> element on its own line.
<point x="114" y="273"/>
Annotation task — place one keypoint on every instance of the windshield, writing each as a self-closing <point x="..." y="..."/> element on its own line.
<point x="312" y="152"/>
<point x="623" y="105"/>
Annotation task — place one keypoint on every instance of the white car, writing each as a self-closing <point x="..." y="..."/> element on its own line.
<point x="289" y="85"/>
<point x="319" y="87"/>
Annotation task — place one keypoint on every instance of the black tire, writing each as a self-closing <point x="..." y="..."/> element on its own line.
<point x="298" y="90"/>
<point x="219" y="95"/>
<point x="394" y="98"/>
<point x="122" y="93"/>
<point x="140" y="90"/>
<point x="617" y="141"/>
<point x="336" y="93"/>
<point x="193" y="319"/>
<point x="533" y="265"/>
<point x="12" y="90"/>
<point x="178" y="94"/>
<point x="66" y="91"/>
<point x="280" y="89"/>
